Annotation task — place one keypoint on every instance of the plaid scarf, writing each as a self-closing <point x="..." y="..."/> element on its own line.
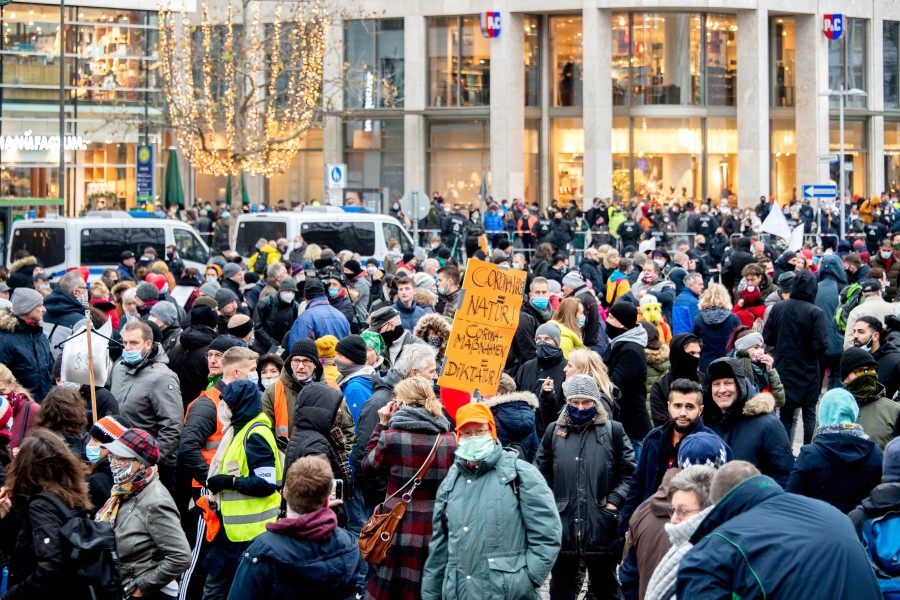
<point x="122" y="492"/>
<point x="336" y="438"/>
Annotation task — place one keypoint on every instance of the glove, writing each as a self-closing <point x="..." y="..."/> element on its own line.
<point x="217" y="483"/>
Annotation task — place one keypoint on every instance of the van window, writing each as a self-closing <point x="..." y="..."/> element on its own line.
<point x="189" y="246"/>
<point x="393" y="231"/>
<point x="47" y="244"/>
<point x="250" y="231"/>
<point x="358" y="236"/>
<point x="104" y="245"/>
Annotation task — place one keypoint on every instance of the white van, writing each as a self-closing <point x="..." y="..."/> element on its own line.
<point x="98" y="239"/>
<point x="331" y="227"/>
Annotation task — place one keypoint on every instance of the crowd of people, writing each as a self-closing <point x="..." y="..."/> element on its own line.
<point x="255" y="427"/>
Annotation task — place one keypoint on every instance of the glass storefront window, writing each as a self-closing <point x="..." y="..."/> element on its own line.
<point x="847" y="62"/>
<point x="303" y="181"/>
<point x="622" y="174"/>
<point x="721" y="157"/>
<point x="721" y="59"/>
<point x="532" y="161"/>
<point x="667" y="157"/>
<point x="459" y="62"/>
<point x="783" y="54"/>
<point x="783" y="145"/>
<point x="373" y="63"/>
<point x="374" y="155"/>
<point x="532" y="61"/>
<point x="666" y="65"/>
<point x="891" y="54"/>
<point x="854" y="153"/>
<point x="621" y="58"/>
<point x="458" y="154"/>
<point x="567" y="56"/>
<point x="567" y="152"/>
<point x="892" y="156"/>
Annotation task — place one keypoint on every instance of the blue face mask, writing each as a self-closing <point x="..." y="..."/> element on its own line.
<point x="72" y="384"/>
<point x="442" y="291"/>
<point x="131" y="357"/>
<point x="333" y="292"/>
<point x="581" y="416"/>
<point x="581" y="321"/>
<point x="92" y="453"/>
<point x="540" y="303"/>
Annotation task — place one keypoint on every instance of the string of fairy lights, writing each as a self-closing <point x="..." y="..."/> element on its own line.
<point x="240" y="93"/>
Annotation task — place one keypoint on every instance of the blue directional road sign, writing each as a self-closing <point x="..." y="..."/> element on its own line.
<point x="819" y="191"/>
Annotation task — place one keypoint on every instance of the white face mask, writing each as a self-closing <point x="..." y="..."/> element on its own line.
<point x="267" y="381"/>
<point x="297" y="245"/>
<point x="287" y="297"/>
<point x="371" y="270"/>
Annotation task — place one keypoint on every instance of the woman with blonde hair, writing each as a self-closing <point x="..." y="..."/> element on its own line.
<point x="714" y="324"/>
<point x="584" y="361"/>
<point x="570" y="318"/>
<point x="25" y="410"/>
<point x="409" y="427"/>
<point x="313" y="253"/>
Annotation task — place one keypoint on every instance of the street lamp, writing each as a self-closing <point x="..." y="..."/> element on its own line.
<point x="842" y="93"/>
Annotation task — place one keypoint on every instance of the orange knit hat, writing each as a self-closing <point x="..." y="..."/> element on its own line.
<point x="475" y="412"/>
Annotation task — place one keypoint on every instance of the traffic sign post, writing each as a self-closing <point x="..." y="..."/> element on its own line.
<point x="819" y="191"/>
<point x="335" y="182"/>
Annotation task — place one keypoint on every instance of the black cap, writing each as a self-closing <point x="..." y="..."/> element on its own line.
<point x="313" y="289"/>
<point x="625" y="313"/>
<point x="871" y="286"/>
<point x="408" y="257"/>
<point x="126" y="255"/>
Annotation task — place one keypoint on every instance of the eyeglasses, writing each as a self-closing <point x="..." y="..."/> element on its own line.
<point x="118" y="460"/>
<point x="214" y="355"/>
<point x="682" y="514"/>
<point x="296" y="362"/>
<point x="865" y="371"/>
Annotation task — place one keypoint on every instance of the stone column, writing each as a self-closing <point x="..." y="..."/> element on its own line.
<point x="597" y="105"/>
<point x="333" y="93"/>
<point x="811" y="111"/>
<point x="753" y="106"/>
<point x="875" y="102"/>
<point x="415" y="146"/>
<point x="507" y="119"/>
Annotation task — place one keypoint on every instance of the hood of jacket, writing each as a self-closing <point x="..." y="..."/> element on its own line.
<point x="658" y="357"/>
<point x="636" y="334"/>
<point x="196" y="337"/>
<point x="832" y="267"/>
<point x="679" y="363"/>
<point x="317" y="408"/>
<point x="514" y="413"/>
<point x="425" y="299"/>
<point x="10" y="324"/>
<point x="432" y="321"/>
<point x="843" y="449"/>
<point x="805" y="287"/>
<point x="743" y="405"/>
<point x="60" y="304"/>
<point x="715" y="316"/>
<point x="244" y="401"/>
<point x="317" y="525"/>
<point x="886" y="348"/>
<point x="269" y="250"/>
<point x="28" y="261"/>
<point x="741" y="498"/>
<point x="883" y="498"/>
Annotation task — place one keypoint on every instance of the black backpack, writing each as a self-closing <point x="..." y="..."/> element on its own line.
<point x="90" y="552"/>
<point x="259" y="265"/>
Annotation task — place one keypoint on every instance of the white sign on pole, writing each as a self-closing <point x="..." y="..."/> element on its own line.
<point x="335" y="176"/>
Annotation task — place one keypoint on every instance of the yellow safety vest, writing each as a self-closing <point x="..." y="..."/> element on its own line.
<point x="245" y="517"/>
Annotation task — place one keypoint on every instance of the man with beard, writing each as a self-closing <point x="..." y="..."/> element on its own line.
<point x="684" y="363"/>
<point x="869" y="334"/>
<point x="659" y="450"/>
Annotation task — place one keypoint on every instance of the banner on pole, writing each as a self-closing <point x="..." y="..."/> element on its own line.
<point x="483" y="328"/>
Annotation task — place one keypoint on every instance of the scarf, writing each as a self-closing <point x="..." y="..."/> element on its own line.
<point x="215" y="465"/>
<point x="849" y="429"/>
<point x="864" y="387"/>
<point x="121" y="492"/>
<point x="336" y="438"/>
<point x="662" y="582"/>
<point x="417" y="418"/>
<point x="350" y="370"/>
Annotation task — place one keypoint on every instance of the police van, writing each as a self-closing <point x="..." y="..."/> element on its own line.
<point x="98" y="239"/>
<point x="368" y="234"/>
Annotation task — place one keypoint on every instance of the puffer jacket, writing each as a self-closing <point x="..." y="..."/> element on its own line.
<point x="148" y="396"/>
<point x="587" y="470"/>
<point x="657" y="366"/>
<point x="319" y="318"/>
<point x="25" y="350"/>
<point x="64" y="312"/>
<point x="515" y="547"/>
<point x="714" y="326"/>
<point x="514" y="416"/>
<point x="153" y="550"/>
<point x="627" y="366"/>
<point x="832" y="279"/>
<point x="188" y="360"/>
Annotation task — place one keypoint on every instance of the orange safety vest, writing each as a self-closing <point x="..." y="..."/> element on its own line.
<point x="281" y="411"/>
<point x="212" y="442"/>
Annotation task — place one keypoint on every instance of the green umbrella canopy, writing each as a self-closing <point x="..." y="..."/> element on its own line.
<point x="245" y="195"/>
<point x="172" y="190"/>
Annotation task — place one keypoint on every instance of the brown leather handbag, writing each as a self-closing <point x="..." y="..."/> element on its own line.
<point x="378" y="533"/>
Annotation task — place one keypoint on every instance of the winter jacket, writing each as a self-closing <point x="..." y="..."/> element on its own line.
<point x="517" y="542"/>
<point x="153" y="550"/>
<point x="530" y="378"/>
<point x="106" y="403"/>
<point x="874" y="306"/>
<point x="888" y="357"/>
<point x="657" y="366"/>
<point x="684" y="311"/>
<point x="658" y="455"/>
<point x="591" y="271"/>
<point x="883" y="499"/>
<point x="272" y="320"/>
<point x="832" y="280"/>
<point x="148" y="396"/>
<point x="372" y="486"/>
<point x="64" y="312"/>
<point x="100" y="483"/>
<point x="188" y="360"/>
<point x="569" y="340"/>
<point x="587" y="470"/>
<point x="627" y="366"/>
<point x="303" y="556"/>
<point x="839" y="468"/>
<point x="523" y="346"/>
<point x="170" y="338"/>
<point x="750" y="429"/>
<point x="357" y="390"/>
<point x="760" y="542"/>
<point x="662" y="289"/>
<point x="714" y="326"/>
<point x="798" y="331"/>
<point x="410" y="315"/>
<point x="272" y="256"/>
<point x="879" y="417"/>
<point x="39" y="567"/>
<point x="319" y="318"/>
<point x="514" y="416"/>
<point x="25" y="350"/>
<point x="200" y="422"/>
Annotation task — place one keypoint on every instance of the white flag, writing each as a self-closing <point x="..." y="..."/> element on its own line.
<point x="776" y="224"/>
<point x="796" y="241"/>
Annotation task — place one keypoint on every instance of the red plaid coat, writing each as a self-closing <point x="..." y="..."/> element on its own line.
<point x="398" y="454"/>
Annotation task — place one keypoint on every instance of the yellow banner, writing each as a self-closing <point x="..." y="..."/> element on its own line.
<point x="483" y="328"/>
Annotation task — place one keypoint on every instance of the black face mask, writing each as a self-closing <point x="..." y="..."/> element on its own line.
<point x="613" y="331"/>
<point x="548" y="352"/>
<point x="685" y="367"/>
<point x="393" y="335"/>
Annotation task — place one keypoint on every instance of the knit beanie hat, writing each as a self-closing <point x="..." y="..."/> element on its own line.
<point x="325" y="345"/>
<point x="108" y="429"/>
<point x="354" y="348"/>
<point x="550" y="330"/>
<point x="423" y="282"/>
<point x="206" y="301"/>
<point x="853" y="358"/>
<point x="306" y="348"/>
<point x="287" y="285"/>
<point x="702" y="448"/>
<point x="223" y="343"/>
<point x="890" y="470"/>
<point x="240" y="325"/>
<point x="230" y="270"/>
<point x="25" y="300"/>
<point x="136" y="444"/>
<point x="147" y="292"/>
<point x="581" y="386"/>
<point x="838" y="407"/>
<point x="202" y="314"/>
<point x="352" y="268"/>
<point x="225" y="296"/>
<point x="165" y="312"/>
<point x="313" y="289"/>
<point x="748" y="341"/>
<point x="507" y="385"/>
<point x="210" y="288"/>
<point x="475" y="412"/>
<point x="374" y="341"/>
<point x="786" y="281"/>
<point x="625" y="313"/>
<point x="573" y="279"/>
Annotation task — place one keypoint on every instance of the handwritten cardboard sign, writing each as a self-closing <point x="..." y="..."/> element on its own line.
<point x="483" y="328"/>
